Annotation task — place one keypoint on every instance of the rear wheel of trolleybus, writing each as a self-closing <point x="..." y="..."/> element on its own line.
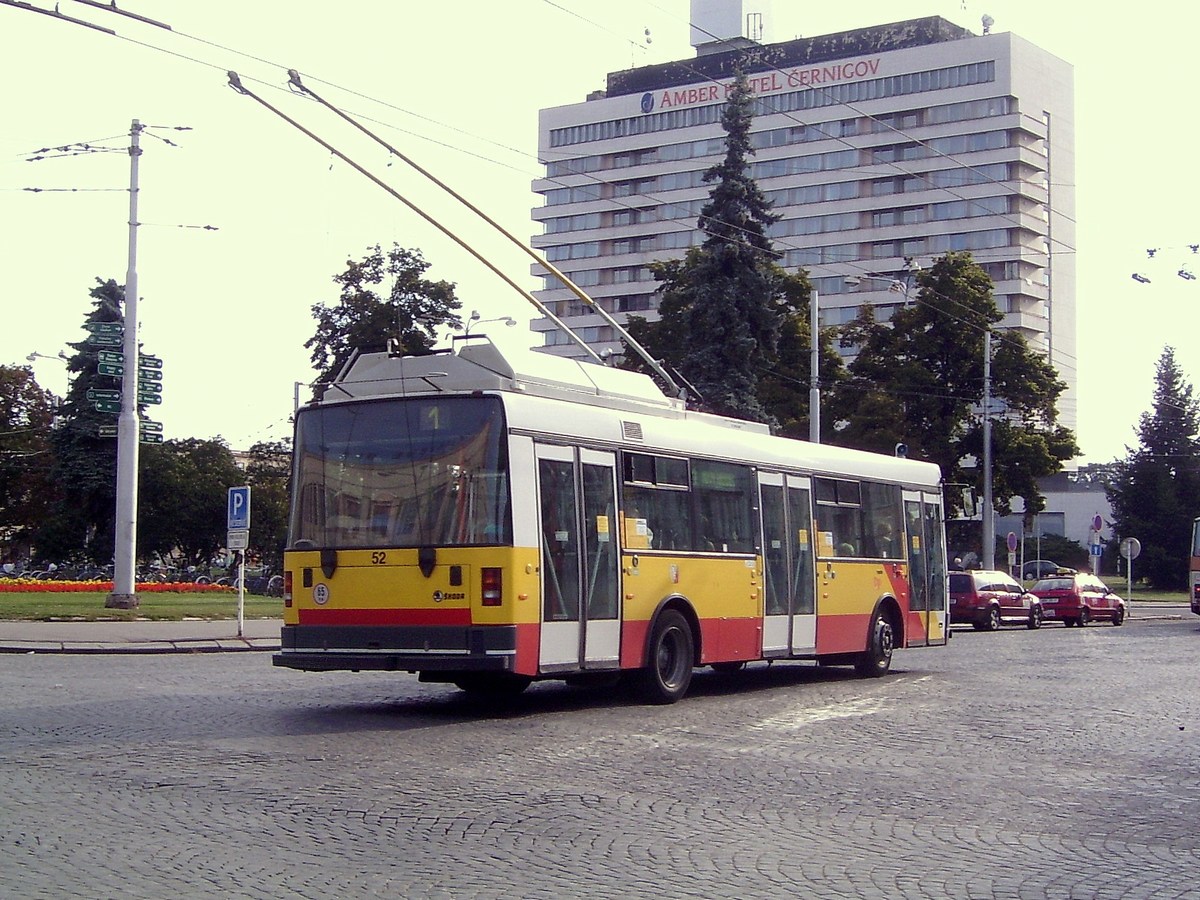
<point x="671" y="656"/>
<point x="881" y="641"/>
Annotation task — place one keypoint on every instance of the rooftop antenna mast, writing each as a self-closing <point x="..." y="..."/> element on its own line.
<point x="236" y="83"/>
<point x="294" y="81"/>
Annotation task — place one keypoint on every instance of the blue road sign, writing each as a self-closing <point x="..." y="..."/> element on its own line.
<point x="239" y="509"/>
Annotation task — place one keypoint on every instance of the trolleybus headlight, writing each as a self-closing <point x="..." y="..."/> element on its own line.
<point x="491" y="584"/>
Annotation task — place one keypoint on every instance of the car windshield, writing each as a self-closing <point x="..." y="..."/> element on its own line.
<point x="402" y="473"/>
<point x="1054" y="584"/>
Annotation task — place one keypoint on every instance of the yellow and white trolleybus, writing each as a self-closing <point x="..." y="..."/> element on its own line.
<point x="487" y="517"/>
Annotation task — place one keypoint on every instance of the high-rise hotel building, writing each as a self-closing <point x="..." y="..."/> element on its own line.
<point x="882" y="148"/>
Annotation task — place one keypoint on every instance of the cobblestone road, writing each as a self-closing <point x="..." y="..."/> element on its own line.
<point x="1056" y="763"/>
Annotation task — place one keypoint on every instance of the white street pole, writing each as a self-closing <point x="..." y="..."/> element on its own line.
<point x="124" y="595"/>
<point x="814" y="390"/>
<point x="989" y="515"/>
<point x="241" y="593"/>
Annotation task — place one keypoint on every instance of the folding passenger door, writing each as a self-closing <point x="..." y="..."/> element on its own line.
<point x="927" y="623"/>
<point x="579" y="559"/>
<point x="789" y="589"/>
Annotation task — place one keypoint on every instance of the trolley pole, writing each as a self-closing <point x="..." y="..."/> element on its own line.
<point x="124" y="595"/>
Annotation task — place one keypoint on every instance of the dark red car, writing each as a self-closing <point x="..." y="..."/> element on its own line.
<point x="1076" y="598"/>
<point x="989" y="599"/>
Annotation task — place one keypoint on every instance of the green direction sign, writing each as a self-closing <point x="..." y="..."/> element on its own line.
<point x="149" y="375"/>
<point x="151" y="399"/>
<point x="105" y="327"/>
<point x="149" y="362"/>
<point x="108" y="431"/>
<point x="112" y="357"/>
<point x="151" y="438"/>
<point x="110" y="369"/>
<point x="108" y="406"/>
<point x="97" y="394"/>
<point x="150" y="425"/>
<point x="109" y="340"/>
<point x="150" y="387"/>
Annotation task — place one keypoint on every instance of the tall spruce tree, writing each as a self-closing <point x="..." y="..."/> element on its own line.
<point x="723" y="306"/>
<point x="1155" y="490"/>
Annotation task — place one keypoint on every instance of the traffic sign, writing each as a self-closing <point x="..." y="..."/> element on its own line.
<point x="115" y="370"/>
<point x="108" y="431"/>
<point x="101" y="394"/>
<point x="1131" y="548"/>
<point x="149" y="387"/>
<point x="145" y="375"/>
<point x="1012" y="542"/>
<point x="237" y="540"/>
<point x="107" y="406"/>
<point x="149" y="399"/>
<point x="238" y="510"/>
<point x="151" y="438"/>
<point x="111" y="340"/>
<point x="105" y="327"/>
<point x="150" y="425"/>
<point x="113" y="357"/>
<point x="149" y="362"/>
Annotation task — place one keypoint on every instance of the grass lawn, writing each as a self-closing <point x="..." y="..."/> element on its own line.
<point x="89" y="607"/>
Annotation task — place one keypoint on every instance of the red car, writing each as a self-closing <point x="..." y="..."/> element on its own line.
<point x="988" y="599"/>
<point x="1076" y="598"/>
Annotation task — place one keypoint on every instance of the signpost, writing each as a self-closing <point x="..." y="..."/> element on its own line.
<point x="1130" y="548"/>
<point x="237" y="526"/>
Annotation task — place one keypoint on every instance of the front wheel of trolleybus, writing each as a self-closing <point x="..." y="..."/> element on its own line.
<point x="877" y="658"/>
<point x="671" y="656"/>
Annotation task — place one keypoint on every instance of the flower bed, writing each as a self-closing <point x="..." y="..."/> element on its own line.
<point x="34" y="585"/>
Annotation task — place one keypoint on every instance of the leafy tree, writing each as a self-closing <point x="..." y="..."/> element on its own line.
<point x="267" y="474"/>
<point x="26" y="416"/>
<point x="1155" y="490"/>
<point x="726" y="304"/>
<point x="918" y="380"/>
<point x="80" y="524"/>
<point x="363" y="320"/>
<point x="183" y="487"/>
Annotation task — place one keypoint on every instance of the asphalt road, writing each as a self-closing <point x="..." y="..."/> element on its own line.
<point x="1055" y="763"/>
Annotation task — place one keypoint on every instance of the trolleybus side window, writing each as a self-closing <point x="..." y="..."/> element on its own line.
<point x="859" y="519"/>
<point x="725" y="508"/>
<point x="655" y="500"/>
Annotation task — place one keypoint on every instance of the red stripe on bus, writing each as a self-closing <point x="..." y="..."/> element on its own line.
<point x="529" y="638"/>
<point x="842" y="634"/>
<point x="385" y="617"/>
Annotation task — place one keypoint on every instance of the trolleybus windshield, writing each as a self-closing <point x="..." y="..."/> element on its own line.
<point x="401" y="473"/>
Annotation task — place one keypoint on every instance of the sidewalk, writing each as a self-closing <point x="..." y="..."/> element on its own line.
<point x="188" y="636"/>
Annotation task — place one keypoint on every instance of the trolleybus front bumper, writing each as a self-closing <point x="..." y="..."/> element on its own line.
<point x="328" y="648"/>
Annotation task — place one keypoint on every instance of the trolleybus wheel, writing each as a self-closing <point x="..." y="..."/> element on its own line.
<point x="671" y="657"/>
<point x="877" y="658"/>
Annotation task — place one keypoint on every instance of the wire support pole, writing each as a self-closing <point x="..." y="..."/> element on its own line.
<point x="236" y="84"/>
<point x="124" y="595"/>
<point x="989" y="512"/>
<point x="814" y="389"/>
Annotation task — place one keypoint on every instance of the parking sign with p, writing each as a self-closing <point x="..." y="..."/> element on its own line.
<point x="239" y="509"/>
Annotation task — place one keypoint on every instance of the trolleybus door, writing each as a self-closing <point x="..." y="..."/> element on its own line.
<point x="789" y="590"/>
<point x="926" y="568"/>
<point x="579" y="559"/>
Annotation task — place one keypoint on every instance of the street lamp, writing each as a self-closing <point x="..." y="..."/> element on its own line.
<point x="62" y="357"/>
<point x="474" y="319"/>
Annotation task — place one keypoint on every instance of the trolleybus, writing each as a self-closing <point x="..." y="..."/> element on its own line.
<point x="488" y="517"/>
<point x="1194" y="568"/>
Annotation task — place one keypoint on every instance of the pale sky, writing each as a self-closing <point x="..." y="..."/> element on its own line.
<point x="457" y="86"/>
